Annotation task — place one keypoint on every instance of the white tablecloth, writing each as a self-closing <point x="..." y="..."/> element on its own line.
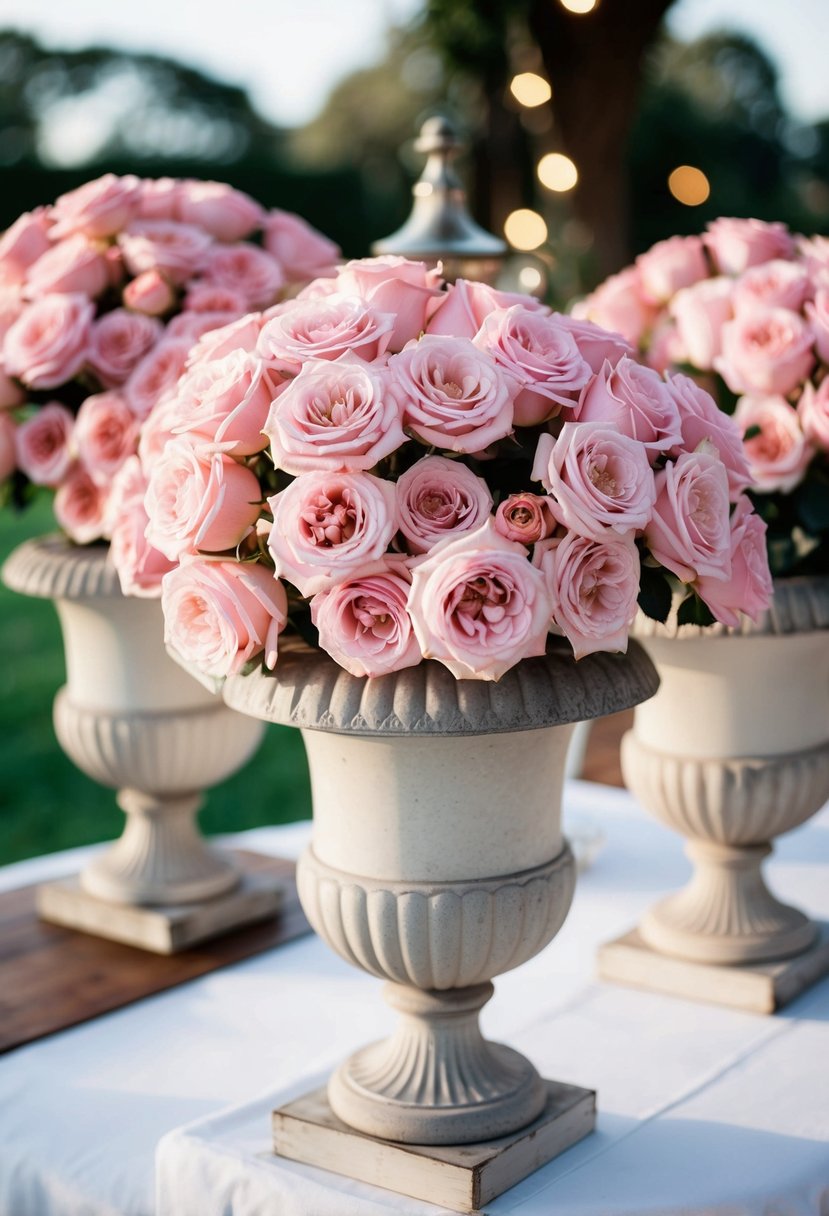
<point x="702" y="1109"/>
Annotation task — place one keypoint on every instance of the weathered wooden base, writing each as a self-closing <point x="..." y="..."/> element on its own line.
<point x="164" y="929"/>
<point x="461" y="1178"/>
<point x="756" y="987"/>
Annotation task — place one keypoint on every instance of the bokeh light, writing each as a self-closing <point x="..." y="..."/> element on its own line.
<point x="530" y="89"/>
<point x="525" y="229"/>
<point x="530" y="278"/>
<point x="689" y="185"/>
<point x="557" y="172"/>
<point x="579" y="6"/>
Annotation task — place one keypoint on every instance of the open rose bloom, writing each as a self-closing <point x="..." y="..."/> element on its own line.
<point x="104" y="294"/>
<point x="744" y="311"/>
<point x="430" y="472"/>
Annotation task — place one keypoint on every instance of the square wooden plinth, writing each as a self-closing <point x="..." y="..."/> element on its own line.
<point x="164" y="929"/>
<point x="461" y="1178"/>
<point x="756" y="987"/>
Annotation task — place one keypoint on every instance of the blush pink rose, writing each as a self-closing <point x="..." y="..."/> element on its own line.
<point x="596" y="345"/>
<point x="817" y="311"/>
<point x="408" y="290"/>
<point x="774" y="284"/>
<point x="766" y="351"/>
<point x="703" y="422"/>
<point x="438" y="498"/>
<point x="670" y="265"/>
<point x="221" y="615"/>
<point x="594" y="585"/>
<point x="11" y="306"/>
<point x="106" y="433"/>
<point x="178" y="251"/>
<point x="158" y="198"/>
<point x="637" y="401"/>
<point x="199" y="500"/>
<point x="100" y="208"/>
<point x="22" y="244"/>
<point x="619" y="304"/>
<point x="527" y="518"/>
<point x="814" y="253"/>
<point x="241" y="333"/>
<point x="11" y="394"/>
<point x="542" y="355"/>
<point x="140" y="567"/>
<point x="72" y="265"/>
<point x="227" y="214"/>
<point x="155" y="375"/>
<point x="465" y="305"/>
<point x="157" y="431"/>
<point x="324" y="329"/>
<point x="813" y="413"/>
<point x="329" y="527"/>
<point x="737" y="244"/>
<point x="599" y="479"/>
<point x="665" y="350"/>
<point x="208" y="297"/>
<point x="455" y="395"/>
<point x="118" y="342"/>
<point x="343" y="415"/>
<point x="48" y="343"/>
<point x="689" y="532"/>
<point x="700" y="313"/>
<point x="192" y="326"/>
<point x="779" y="454"/>
<point x="479" y="606"/>
<point x="245" y="269"/>
<point x="749" y="589"/>
<point x="301" y="251"/>
<point x="364" y="623"/>
<point x="8" y="449"/>
<point x="150" y="294"/>
<point x="226" y="401"/>
<point x="80" y="506"/>
<point x="44" y="444"/>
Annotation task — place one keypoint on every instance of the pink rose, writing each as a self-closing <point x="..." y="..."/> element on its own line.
<point x="479" y="606"/>
<point x="542" y="355"/>
<point x="44" y="444"/>
<point x="670" y="265"/>
<point x="106" y="433"/>
<point x="818" y="313"/>
<point x="22" y="244"/>
<point x="814" y="252"/>
<point x="703" y="422"/>
<point x="599" y="479"/>
<point x="157" y="431"/>
<point x="779" y="454"/>
<point x="689" y="531"/>
<point x="409" y="290"/>
<point x="74" y="264"/>
<point x="527" y="518"/>
<point x="343" y="415"/>
<point x="227" y="214"/>
<point x="456" y="396"/>
<point x="150" y="294"/>
<point x="775" y="284"/>
<point x="199" y="500"/>
<point x="364" y="624"/>
<point x="97" y="209"/>
<point x="226" y="401"/>
<point x="47" y="344"/>
<point x="766" y="351"/>
<point x="11" y="394"/>
<point x="242" y="333"/>
<point x="619" y="304"/>
<point x="324" y="329"/>
<point x="140" y="567"/>
<point x="155" y="375"/>
<point x="118" y="342"/>
<point x="245" y="269"/>
<point x="594" y="585"/>
<point x="80" y="506"/>
<point x="302" y="252"/>
<point x="158" y="198"/>
<point x="328" y="527"/>
<point x="637" y="401"/>
<point x="700" y="313"/>
<point x="749" y="589"/>
<point x="11" y="306"/>
<point x="813" y="413"/>
<point x="737" y="244"/>
<point x="465" y="305"/>
<point x="178" y="251"/>
<point x="208" y="297"/>
<point x="220" y="615"/>
<point x="437" y="498"/>
<point x="191" y="326"/>
<point x="596" y="345"/>
<point x="665" y="350"/>
<point x="8" y="450"/>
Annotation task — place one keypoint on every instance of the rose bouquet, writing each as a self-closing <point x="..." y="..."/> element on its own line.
<point x="102" y="296"/>
<point x="744" y="309"/>
<point x="402" y="470"/>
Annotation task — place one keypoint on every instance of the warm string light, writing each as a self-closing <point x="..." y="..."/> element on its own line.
<point x="530" y="90"/>
<point x="689" y="185"/>
<point x="580" y="7"/>
<point x="557" y="172"/>
<point x="525" y="229"/>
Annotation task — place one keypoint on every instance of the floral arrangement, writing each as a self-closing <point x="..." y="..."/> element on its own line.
<point x="744" y="309"/>
<point x="102" y="296"/>
<point x="400" y="469"/>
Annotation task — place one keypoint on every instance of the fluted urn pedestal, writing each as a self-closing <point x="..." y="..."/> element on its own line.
<point x="731" y="752"/>
<point x="437" y="863"/>
<point x="131" y="718"/>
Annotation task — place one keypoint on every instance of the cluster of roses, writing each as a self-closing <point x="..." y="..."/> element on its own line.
<point x="433" y="472"/>
<point x="745" y="307"/>
<point x="102" y="295"/>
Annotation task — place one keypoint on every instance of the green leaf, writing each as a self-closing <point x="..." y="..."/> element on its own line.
<point x="692" y="611"/>
<point x="655" y="594"/>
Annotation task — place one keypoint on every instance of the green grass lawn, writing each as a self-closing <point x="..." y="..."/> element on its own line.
<point x="45" y="802"/>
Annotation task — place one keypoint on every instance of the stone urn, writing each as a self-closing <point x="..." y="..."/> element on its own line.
<point x="131" y="718"/>
<point x="732" y="751"/>
<point x="437" y="862"/>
